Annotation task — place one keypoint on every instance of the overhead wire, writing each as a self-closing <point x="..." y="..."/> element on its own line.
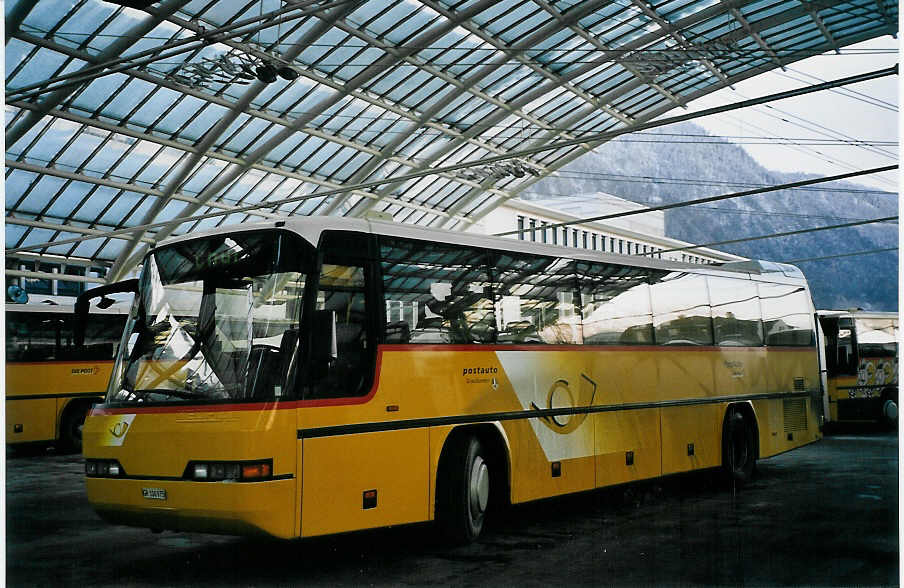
<point x="839" y="255"/>
<point x="776" y="235"/>
<point x="710" y="199"/>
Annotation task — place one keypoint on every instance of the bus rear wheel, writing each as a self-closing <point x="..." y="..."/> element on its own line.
<point x="738" y="449"/>
<point x="464" y="491"/>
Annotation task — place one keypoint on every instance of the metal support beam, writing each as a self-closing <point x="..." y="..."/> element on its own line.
<point x="515" y="154"/>
<point x="53" y="276"/>
<point x="114" y="50"/>
<point x="756" y="37"/>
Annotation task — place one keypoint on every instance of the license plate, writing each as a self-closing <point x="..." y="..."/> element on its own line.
<point x="154" y="493"/>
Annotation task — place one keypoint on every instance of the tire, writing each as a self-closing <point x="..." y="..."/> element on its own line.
<point x="889" y="409"/>
<point x="738" y="449"/>
<point x="71" y="428"/>
<point x="464" y="491"/>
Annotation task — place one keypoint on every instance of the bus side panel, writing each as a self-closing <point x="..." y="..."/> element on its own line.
<point x="550" y="455"/>
<point x="691" y="437"/>
<point x="533" y="476"/>
<point x="39" y="417"/>
<point x="628" y="446"/>
<point x="36" y="418"/>
<point x="786" y="423"/>
<point x="790" y="369"/>
<point x="339" y="471"/>
<point x="627" y="443"/>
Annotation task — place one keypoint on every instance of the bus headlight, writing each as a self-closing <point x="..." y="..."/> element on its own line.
<point x="103" y="468"/>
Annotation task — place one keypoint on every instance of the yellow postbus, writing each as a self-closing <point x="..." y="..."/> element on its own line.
<point x="861" y="350"/>
<point x="50" y="382"/>
<point x="320" y="375"/>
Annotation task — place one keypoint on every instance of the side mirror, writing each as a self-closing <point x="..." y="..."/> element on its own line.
<point x="83" y="303"/>
<point x="323" y="340"/>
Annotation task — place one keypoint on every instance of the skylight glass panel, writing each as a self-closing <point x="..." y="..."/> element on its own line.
<point x="110" y="250"/>
<point x="52" y="141"/>
<point x="122" y="203"/>
<point x="95" y="203"/>
<point x="16" y="52"/>
<point x="389" y="20"/>
<point x="443" y="47"/>
<point x="204" y="121"/>
<point x="252" y="131"/>
<point x="14" y="234"/>
<point x="39" y="197"/>
<point x="429" y="94"/>
<point x="83" y="146"/>
<point x="138" y="213"/>
<point x="159" y="166"/>
<point x="122" y="24"/>
<point x="203" y="175"/>
<point x="17" y="182"/>
<point x="124" y="102"/>
<point x="409" y="85"/>
<point x="360" y="61"/>
<point x="38" y="69"/>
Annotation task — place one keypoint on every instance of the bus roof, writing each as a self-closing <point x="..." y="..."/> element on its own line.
<point x="311" y="227"/>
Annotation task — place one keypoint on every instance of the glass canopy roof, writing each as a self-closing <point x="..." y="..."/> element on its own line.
<point x="125" y="125"/>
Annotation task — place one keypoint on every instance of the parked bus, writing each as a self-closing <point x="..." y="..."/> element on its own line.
<point x="323" y="375"/>
<point x="50" y="382"/>
<point x="861" y="351"/>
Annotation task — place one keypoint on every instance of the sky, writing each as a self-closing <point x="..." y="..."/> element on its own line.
<point x="869" y="116"/>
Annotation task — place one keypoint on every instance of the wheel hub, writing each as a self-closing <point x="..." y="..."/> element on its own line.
<point x="479" y="487"/>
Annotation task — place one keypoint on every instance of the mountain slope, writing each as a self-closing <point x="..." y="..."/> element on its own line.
<point x="636" y="168"/>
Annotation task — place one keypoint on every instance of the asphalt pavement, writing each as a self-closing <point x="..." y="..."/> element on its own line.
<point x="822" y="515"/>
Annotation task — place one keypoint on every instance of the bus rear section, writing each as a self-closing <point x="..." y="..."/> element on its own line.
<point x="51" y="383"/>
<point x="861" y="349"/>
<point x="388" y="376"/>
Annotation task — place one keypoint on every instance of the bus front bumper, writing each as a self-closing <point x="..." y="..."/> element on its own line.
<point x="238" y="508"/>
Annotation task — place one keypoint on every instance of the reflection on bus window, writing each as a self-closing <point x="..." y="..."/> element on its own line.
<point x="436" y="293"/>
<point x="787" y="315"/>
<point x="681" y="312"/>
<point x="877" y="337"/>
<point x="535" y="300"/>
<point x="736" y="312"/>
<point x="48" y="336"/>
<point x="615" y="304"/>
<point x="217" y="320"/>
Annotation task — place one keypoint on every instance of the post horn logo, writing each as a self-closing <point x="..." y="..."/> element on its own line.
<point x="560" y="396"/>
<point x="119" y="429"/>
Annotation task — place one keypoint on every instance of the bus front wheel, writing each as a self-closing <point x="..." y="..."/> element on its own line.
<point x="70" y="440"/>
<point x="738" y="449"/>
<point x="464" y="491"/>
<point x="889" y="414"/>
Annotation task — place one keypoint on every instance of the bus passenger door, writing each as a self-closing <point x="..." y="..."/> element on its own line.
<point x="357" y="471"/>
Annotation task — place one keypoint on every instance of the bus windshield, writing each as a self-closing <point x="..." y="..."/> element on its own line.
<point x="216" y="319"/>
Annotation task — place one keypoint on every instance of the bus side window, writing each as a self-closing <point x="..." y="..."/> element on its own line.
<point x="535" y="299"/>
<point x="436" y="293"/>
<point x="615" y="304"/>
<point x="33" y="336"/>
<point x="737" y="321"/>
<point x="787" y="317"/>
<point x="681" y="310"/>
